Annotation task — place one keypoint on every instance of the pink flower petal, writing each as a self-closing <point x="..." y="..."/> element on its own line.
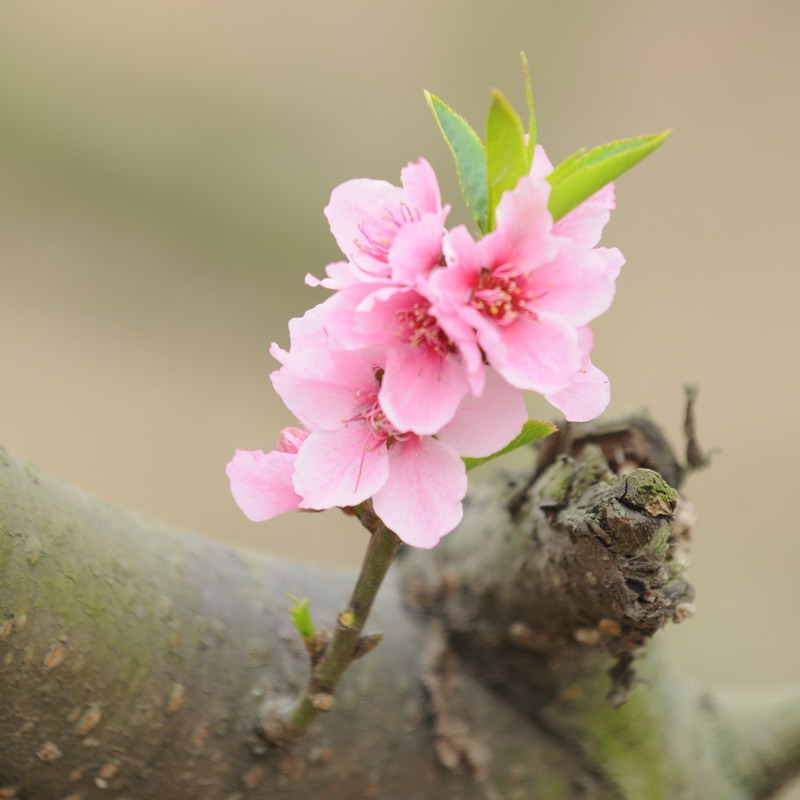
<point x="471" y="355"/>
<point x="421" y="187"/>
<point x="421" y="501"/>
<point x="483" y="425"/>
<point x="586" y="397"/>
<point x="421" y="389"/>
<point x="522" y="238"/>
<point x="278" y="353"/>
<point x="464" y="263"/>
<point x="340" y="313"/>
<point x="399" y="318"/>
<point x="261" y="483"/>
<point x="357" y="214"/>
<point x="585" y="223"/>
<point x="542" y="166"/>
<point x="378" y="317"/>
<point x="613" y="260"/>
<point x="540" y="354"/>
<point x="585" y="343"/>
<point x="339" y="468"/>
<point x="576" y="284"/>
<point x="489" y="335"/>
<point x="321" y="387"/>
<point x="309" y="331"/>
<point x="416" y="249"/>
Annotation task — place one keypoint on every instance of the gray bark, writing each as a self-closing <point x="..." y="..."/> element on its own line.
<point x="139" y="662"/>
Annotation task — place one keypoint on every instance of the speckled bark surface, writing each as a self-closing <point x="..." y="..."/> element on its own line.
<point x="135" y="660"/>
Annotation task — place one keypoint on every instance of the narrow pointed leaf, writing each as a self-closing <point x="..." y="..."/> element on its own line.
<point x="565" y="167"/>
<point x="532" y="431"/>
<point x="506" y="153"/>
<point x="531" y="112"/>
<point x="468" y="151"/>
<point x="583" y="174"/>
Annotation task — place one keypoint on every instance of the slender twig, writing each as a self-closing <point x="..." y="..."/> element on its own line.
<point x="344" y="648"/>
<point x="695" y="457"/>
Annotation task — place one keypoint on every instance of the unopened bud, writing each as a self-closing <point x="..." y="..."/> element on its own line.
<point x="347" y="619"/>
<point x="290" y="439"/>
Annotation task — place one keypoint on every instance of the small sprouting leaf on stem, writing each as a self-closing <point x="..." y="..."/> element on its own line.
<point x="283" y="726"/>
<point x="301" y="617"/>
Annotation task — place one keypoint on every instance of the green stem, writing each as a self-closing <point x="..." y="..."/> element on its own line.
<point x="341" y="652"/>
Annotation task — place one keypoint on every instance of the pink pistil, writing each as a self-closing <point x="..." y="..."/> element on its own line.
<point x="379" y="248"/>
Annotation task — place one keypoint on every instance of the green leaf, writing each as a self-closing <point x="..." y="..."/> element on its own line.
<point x="532" y="431"/>
<point x="582" y="174"/>
<point x="467" y="149"/>
<point x="506" y="153"/>
<point x="301" y="617"/>
<point x="531" y="112"/>
<point x="565" y="167"/>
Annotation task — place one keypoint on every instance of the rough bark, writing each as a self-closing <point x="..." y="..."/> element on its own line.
<point x="137" y="661"/>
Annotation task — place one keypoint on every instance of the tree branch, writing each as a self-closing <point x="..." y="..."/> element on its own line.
<point x="281" y="727"/>
<point x="139" y="659"/>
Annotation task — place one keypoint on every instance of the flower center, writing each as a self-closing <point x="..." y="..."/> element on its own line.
<point x="376" y="242"/>
<point x="372" y="245"/>
<point x="502" y="298"/>
<point x="369" y="411"/>
<point x="417" y="326"/>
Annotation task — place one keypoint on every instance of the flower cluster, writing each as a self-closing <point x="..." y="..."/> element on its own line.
<point x="419" y="356"/>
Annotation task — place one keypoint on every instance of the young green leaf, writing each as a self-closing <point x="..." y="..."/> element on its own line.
<point x="506" y="152"/>
<point x="532" y="431"/>
<point x="565" y="167"/>
<point x="467" y="149"/>
<point x="531" y="113"/>
<point x="582" y="174"/>
<point x="301" y="617"/>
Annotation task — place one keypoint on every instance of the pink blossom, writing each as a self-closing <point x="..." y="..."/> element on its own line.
<point x="416" y="483"/>
<point x="418" y="358"/>
<point x="261" y="483"/>
<point x="589" y="391"/>
<point x="426" y="374"/>
<point x="524" y="290"/>
<point x="387" y="231"/>
<point x="393" y="237"/>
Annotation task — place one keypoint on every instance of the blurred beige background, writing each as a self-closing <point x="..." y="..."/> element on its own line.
<point x="163" y="170"/>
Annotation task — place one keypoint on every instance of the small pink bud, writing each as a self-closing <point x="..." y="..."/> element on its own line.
<point x="290" y="439"/>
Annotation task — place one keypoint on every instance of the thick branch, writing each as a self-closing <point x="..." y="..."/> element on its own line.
<point x="139" y="659"/>
<point x="760" y="736"/>
<point x="583" y="556"/>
